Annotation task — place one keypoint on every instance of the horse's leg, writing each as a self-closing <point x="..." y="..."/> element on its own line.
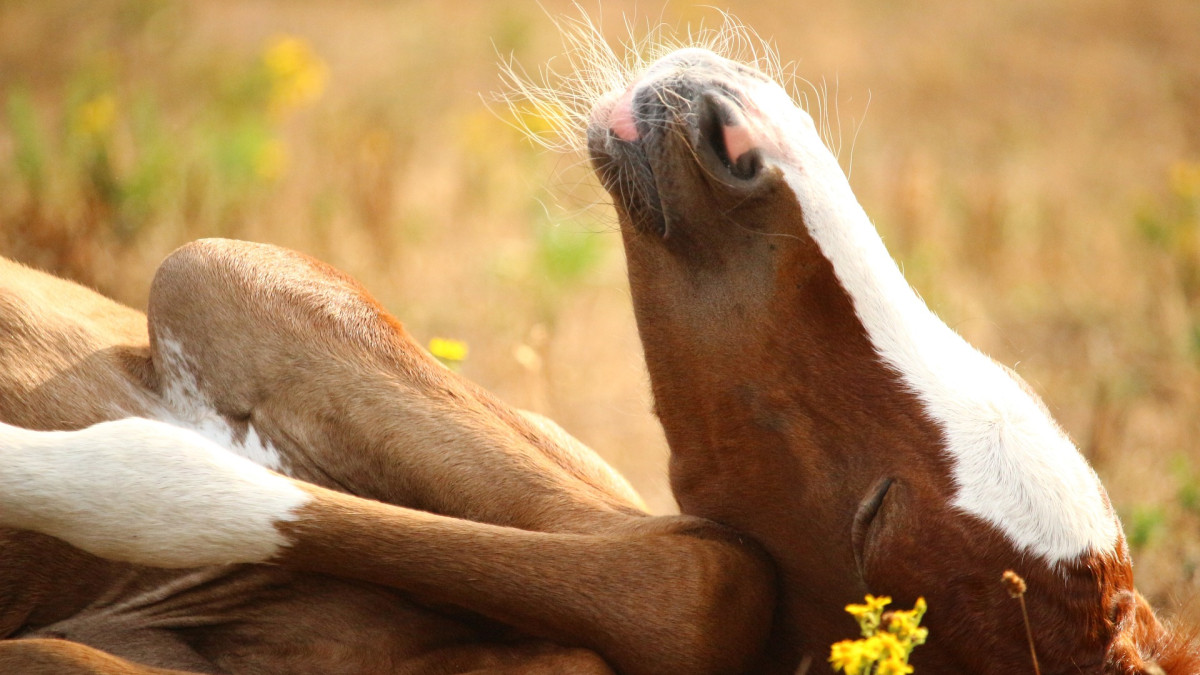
<point x="310" y="375"/>
<point x="100" y="382"/>
<point x="44" y="656"/>
<point x="658" y="595"/>
<point x="295" y="363"/>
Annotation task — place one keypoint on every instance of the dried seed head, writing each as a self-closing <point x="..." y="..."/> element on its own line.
<point x="1013" y="583"/>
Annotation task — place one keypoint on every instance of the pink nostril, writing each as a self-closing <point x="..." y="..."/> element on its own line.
<point x="738" y="141"/>
<point x="621" y="119"/>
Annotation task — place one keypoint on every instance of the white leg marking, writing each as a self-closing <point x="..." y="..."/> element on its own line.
<point x="189" y="408"/>
<point x="144" y="491"/>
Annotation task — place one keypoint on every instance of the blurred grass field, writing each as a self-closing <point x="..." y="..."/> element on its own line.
<point x="1034" y="165"/>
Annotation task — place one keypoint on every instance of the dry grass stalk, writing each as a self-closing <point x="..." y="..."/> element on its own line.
<point x="1016" y="588"/>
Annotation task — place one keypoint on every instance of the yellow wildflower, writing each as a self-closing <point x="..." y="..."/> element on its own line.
<point x="873" y="605"/>
<point x="854" y="657"/>
<point x="95" y="117"/>
<point x="297" y="74"/>
<point x="446" y="350"/>
<point x="882" y="650"/>
<point x="893" y="667"/>
<point x="905" y="624"/>
<point x="890" y="646"/>
<point x="868" y="615"/>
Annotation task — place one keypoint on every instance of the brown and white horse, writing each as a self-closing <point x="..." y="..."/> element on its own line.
<point x="814" y="407"/>
<point x="812" y="401"/>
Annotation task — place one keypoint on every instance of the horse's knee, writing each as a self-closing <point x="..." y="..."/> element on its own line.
<point x="237" y="318"/>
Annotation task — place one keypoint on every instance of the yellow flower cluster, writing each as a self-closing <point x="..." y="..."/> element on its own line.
<point x="297" y="74"/>
<point x="887" y="642"/>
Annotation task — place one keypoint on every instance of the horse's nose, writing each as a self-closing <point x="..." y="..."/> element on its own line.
<point x="621" y="120"/>
<point x="671" y="73"/>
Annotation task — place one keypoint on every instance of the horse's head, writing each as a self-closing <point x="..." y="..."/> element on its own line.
<point x="811" y="399"/>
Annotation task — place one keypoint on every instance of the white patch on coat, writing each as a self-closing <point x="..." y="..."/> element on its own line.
<point x="1013" y="466"/>
<point x="188" y="407"/>
<point x="144" y="491"/>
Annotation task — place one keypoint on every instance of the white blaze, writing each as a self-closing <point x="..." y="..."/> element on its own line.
<point x="143" y="491"/>
<point x="188" y="407"/>
<point x="1013" y="466"/>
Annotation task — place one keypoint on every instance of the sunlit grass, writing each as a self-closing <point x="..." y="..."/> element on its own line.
<point x="107" y="162"/>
